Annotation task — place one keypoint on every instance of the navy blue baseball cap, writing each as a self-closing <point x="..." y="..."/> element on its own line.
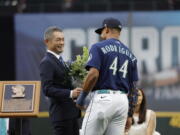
<point x="111" y="23"/>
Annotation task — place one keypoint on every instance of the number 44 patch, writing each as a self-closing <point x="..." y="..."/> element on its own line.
<point x="122" y="69"/>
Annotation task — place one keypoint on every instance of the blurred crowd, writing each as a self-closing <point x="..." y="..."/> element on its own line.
<point x="85" y="5"/>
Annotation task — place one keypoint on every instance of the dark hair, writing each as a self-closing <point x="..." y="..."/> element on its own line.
<point x="142" y="109"/>
<point x="116" y="29"/>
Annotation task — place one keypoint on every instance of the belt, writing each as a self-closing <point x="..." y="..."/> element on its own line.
<point x="108" y="91"/>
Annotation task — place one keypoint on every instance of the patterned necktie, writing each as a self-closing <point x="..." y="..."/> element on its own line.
<point x="2" y="126"/>
<point x="62" y="61"/>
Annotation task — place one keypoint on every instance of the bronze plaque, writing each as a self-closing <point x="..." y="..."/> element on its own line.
<point x="19" y="98"/>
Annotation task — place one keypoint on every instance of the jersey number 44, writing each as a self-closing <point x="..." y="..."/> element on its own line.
<point x="123" y="68"/>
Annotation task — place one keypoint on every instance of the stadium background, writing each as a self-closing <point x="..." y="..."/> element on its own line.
<point x="151" y="29"/>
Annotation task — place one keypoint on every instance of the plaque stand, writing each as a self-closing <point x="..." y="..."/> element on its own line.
<point x="19" y="126"/>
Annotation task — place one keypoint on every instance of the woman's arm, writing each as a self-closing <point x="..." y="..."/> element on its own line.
<point x="151" y="124"/>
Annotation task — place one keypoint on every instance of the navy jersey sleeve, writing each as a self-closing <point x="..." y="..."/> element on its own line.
<point x="132" y="95"/>
<point x="95" y="58"/>
<point x="134" y="72"/>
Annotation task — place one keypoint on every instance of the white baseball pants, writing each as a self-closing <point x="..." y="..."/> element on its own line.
<point x="106" y="114"/>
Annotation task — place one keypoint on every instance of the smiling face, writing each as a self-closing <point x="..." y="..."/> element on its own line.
<point x="140" y="97"/>
<point x="56" y="42"/>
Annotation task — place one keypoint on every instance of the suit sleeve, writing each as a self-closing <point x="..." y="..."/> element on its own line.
<point x="49" y="89"/>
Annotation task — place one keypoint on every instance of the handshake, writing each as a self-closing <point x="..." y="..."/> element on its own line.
<point x="76" y="92"/>
<point x="83" y="99"/>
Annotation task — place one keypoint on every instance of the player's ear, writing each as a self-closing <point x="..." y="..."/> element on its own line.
<point x="107" y="30"/>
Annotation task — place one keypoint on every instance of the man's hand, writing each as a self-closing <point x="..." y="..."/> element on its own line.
<point x="128" y="124"/>
<point x="76" y="92"/>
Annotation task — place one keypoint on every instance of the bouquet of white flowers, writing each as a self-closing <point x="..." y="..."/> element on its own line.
<point x="77" y="68"/>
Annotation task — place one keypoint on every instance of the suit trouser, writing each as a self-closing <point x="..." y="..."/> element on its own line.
<point x="66" y="127"/>
<point x="106" y="114"/>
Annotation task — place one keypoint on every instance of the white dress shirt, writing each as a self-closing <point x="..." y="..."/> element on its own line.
<point x="56" y="55"/>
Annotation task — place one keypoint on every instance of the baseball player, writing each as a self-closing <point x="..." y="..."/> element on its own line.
<point x="112" y="71"/>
